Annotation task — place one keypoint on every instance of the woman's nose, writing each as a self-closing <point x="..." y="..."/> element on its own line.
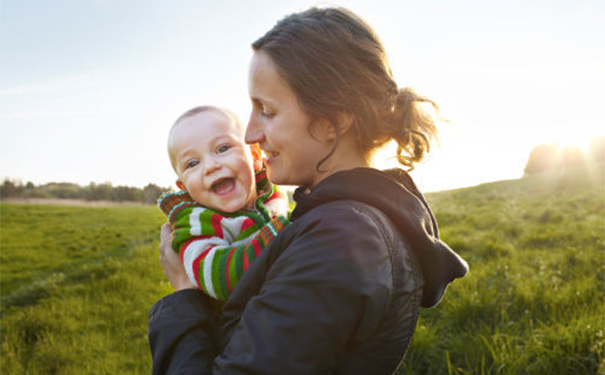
<point x="254" y="132"/>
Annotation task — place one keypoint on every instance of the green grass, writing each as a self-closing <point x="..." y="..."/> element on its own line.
<point x="77" y="284"/>
<point x="533" y="301"/>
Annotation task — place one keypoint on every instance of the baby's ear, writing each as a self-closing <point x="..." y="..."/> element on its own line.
<point x="257" y="157"/>
<point x="180" y="185"/>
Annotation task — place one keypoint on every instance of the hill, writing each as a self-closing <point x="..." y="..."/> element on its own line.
<point x="533" y="301"/>
<point x="77" y="283"/>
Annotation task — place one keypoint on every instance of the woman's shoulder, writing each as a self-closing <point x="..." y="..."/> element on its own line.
<point x="344" y="229"/>
<point x="346" y="214"/>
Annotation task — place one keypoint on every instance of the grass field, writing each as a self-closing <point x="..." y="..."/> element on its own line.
<point x="77" y="283"/>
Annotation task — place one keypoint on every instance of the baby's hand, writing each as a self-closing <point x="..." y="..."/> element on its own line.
<point x="258" y="165"/>
<point x="170" y="261"/>
<point x="257" y="157"/>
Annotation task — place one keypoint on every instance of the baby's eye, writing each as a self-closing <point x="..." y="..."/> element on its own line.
<point x="191" y="164"/>
<point x="222" y="149"/>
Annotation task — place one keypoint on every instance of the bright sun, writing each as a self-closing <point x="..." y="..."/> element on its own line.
<point x="578" y="142"/>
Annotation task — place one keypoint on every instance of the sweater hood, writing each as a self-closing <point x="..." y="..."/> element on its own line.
<point x="395" y="194"/>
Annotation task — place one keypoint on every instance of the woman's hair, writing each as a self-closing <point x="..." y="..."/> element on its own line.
<point x="335" y="63"/>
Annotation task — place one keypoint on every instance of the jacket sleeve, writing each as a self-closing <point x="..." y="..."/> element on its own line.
<point x="332" y="280"/>
<point x="181" y="334"/>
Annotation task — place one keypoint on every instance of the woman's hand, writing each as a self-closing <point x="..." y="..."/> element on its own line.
<point x="169" y="259"/>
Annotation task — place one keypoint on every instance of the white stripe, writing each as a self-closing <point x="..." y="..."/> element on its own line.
<point x="272" y="229"/>
<point x="192" y="251"/>
<point x="245" y="241"/>
<point x="194" y="221"/>
<point x="208" y="272"/>
<point x="232" y="227"/>
<point x="277" y="207"/>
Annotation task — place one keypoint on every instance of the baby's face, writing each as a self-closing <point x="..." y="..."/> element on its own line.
<point x="212" y="161"/>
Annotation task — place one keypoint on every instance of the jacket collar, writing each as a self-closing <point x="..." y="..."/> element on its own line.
<point x="394" y="193"/>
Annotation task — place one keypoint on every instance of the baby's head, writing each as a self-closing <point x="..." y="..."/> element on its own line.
<point x="208" y="153"/>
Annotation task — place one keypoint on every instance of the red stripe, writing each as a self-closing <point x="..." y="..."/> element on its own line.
<point x="248" y="222"/>
<point x="186" y="245"/>
<point x="196" y="262"/>
<point x="256" y="247"/>
<point x="184" y="248"/>
<point x="273" y="196"/>
<point x="246" y="261"/>
<point x="196" y="273"/>
<point x="216" y="225"/>
<point x="227" y="270"/>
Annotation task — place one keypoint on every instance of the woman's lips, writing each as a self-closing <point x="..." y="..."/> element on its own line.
<point x="270" y="157"/>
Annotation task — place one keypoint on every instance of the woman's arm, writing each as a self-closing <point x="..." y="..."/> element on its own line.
<point x="182" y="334"/>
<point x="331" y="281"/>
<point x="329" y="288"/>
<point x="181" y="325"/>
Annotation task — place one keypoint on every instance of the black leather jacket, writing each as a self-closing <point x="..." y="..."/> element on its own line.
<point x="337" y="292"/>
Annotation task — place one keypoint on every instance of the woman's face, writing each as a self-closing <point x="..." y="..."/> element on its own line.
<point x="282" y="129"/>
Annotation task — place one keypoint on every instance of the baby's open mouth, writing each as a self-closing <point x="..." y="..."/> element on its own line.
<point x="223" y="186"/>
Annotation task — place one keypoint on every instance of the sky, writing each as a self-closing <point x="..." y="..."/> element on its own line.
<point x="90" y="88"/>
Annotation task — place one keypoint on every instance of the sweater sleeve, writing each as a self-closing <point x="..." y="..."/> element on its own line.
<point x="216" y="249"/>
<point x="216" y="265"/>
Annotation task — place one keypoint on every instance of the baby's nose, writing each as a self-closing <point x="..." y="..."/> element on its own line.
<point x="211" y="165"/>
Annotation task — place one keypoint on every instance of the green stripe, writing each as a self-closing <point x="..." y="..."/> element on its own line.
<point x="216" y="284"/>
<point x="238" y="263"/>
<point x="221" y="272"/>
<point x="182" y="219"/>
<point x="251" y="256"/>
<point x="233" y="276"/>
<point x="206" y="221"/>
<point x="248" y="232"/>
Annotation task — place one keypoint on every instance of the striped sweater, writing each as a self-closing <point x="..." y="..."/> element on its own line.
<point x="215" y="247"/>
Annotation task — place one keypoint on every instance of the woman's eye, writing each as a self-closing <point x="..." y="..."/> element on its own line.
<point x="191" y="164"/>
<point x="266" y="112"/>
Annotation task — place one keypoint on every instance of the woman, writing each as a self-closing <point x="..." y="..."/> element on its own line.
<point x="337" y="292"/>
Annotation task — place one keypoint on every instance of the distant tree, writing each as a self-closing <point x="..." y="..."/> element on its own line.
<point x="93" y="192"/>
<point x="10" y="189"/>
<point x="572" y="156"/>
<point x="127" y="194"/>
<point x="99" y="192"/>
<point x="152" y="192"/>
<point x="63" y="190"/>
<point x="550" y="157"/>
<point x="543" y="158"/>
<point x="33" y="191"/>
<point x="597" y="149"/>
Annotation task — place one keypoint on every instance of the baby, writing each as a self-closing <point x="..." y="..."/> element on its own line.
<point x="227" y="211"/>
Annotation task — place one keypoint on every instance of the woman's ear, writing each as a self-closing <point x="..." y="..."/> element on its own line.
<point x="341" y="123"/>
<point x="257" y="158"/>
<point x="180" y="185"/>
<point x="344" y="121"/>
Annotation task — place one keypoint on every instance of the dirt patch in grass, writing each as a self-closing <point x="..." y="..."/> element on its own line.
<point x="70" y="202"/>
